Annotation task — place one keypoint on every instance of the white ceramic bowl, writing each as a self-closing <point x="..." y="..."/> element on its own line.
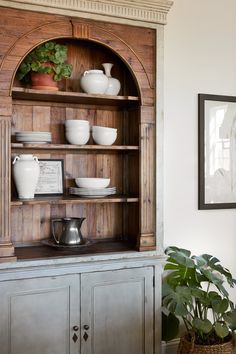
<point x="100" y="128"/>
<point x="104" y="135"/>
<point x="94" y="183"/>
<point x="77" y="129"/>
<point x="76" y="122"/>
<point x="77" y="137"/>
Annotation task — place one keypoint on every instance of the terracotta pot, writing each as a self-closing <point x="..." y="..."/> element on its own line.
<point x="187" y="347"/>
<point x="41" y="81"/>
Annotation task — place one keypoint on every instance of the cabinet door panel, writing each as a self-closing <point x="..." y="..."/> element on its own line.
<point x="118" y="308"/>
<point x="37" y="315"/>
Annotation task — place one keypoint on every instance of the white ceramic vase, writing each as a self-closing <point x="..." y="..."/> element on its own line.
<point x="26" y="173"/>
<point x="94" y="82"/>
<point x="113" y="84"/>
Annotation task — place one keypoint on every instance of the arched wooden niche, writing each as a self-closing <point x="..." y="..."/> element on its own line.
<point x="87" y="54"/>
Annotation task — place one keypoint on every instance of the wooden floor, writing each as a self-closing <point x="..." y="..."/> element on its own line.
<point x="44" y="251"/>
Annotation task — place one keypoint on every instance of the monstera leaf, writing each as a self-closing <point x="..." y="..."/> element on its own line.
<point x="170" y="326"/>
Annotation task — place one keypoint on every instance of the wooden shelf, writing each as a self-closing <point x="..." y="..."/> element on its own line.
<point x="74" y="200"/>
<point x="73" y="97"/>
<point x="68" y="147"/>
<point x="43" y="252"/>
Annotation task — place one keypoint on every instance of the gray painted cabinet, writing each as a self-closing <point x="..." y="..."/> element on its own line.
<point x="37" y="315"/>
<point x="117" y="309"/>
<point x="113" y="316"/>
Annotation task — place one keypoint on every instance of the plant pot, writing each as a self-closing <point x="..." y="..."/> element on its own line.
<point x="42" y="81"/>
<point x="187" y="347"/>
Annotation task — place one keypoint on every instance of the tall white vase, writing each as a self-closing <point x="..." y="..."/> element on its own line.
<point x="26" y="173"/>
<point x="113" y="84"/>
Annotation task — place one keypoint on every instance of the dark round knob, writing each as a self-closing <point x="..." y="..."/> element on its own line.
<point x="75" y="328"/>
<point x="86" y="327"/>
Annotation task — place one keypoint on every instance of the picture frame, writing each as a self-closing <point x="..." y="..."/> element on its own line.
<point x="51" y="178"/>
<point x="216" y="151"/>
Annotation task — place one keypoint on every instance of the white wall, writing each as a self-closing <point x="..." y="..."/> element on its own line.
<point x="200" y="57"/>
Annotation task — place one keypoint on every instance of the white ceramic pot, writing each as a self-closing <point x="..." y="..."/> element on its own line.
<point x="26" y="173"/>
<point x="94" y="82"/>
<point x="113" y="84"/>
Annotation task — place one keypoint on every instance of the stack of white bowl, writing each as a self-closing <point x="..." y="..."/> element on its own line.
<point x="104" y="135"/>
<point x="32" y="137"/>
<point x="92" y="187"/>
<point x="77" y="131"/>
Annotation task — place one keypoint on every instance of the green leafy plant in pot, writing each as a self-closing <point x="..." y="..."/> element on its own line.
<point x="45" y="66"/>
<point x="193" y="290"/>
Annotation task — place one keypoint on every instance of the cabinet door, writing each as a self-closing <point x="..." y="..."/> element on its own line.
<point x="117" y="310"/>
<point x="37" y="315"/>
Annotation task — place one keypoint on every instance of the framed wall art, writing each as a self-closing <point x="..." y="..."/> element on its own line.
<point x="217" y="151"/>
<point x="51" y="178"/>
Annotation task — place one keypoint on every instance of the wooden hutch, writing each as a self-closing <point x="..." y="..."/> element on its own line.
<point x="116" y="278"/>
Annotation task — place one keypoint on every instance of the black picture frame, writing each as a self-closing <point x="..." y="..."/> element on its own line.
<point x="53" y="171"/>
<point x="216" y="151"/>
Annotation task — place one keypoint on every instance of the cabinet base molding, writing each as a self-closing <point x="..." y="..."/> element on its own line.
<point x="7" y="252"/>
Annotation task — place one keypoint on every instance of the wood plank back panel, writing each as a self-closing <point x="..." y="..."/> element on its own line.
<point x="32" y="117"/>
<point x="33" y="222"/>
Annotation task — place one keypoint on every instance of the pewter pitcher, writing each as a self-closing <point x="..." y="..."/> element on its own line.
<point x="66" y="231"/>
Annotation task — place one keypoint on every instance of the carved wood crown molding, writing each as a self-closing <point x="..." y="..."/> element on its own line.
<point x="151" y="11"/>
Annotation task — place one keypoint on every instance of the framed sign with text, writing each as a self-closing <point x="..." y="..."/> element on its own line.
<point x="51" y="178"/>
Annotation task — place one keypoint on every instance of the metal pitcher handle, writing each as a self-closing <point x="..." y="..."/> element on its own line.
<point x="53" y="233"/>
<point x="15" y="159"/>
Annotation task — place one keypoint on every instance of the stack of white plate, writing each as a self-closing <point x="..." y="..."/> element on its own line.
<point x="92" y="192"/>
<point x="34" y="137"/>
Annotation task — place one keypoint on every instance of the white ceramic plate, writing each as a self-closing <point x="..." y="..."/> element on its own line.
<point x="109" y="189"/>
<point x="35" y="138"/>
<point x="92" y="193"/>
<point x="31" y="132"/>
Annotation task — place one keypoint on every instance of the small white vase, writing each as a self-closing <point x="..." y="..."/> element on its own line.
<point x="94" y="82"/>
<point x="113" y="84"/>
<point x="26" y="173"/>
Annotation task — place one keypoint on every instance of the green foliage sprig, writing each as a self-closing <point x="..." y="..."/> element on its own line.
<point x="50" y="53"/>
<point x="193" y="289"/>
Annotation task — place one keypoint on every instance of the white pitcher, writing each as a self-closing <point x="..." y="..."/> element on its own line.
<point x="94" y="82"/>
<point x="26" y="173"/>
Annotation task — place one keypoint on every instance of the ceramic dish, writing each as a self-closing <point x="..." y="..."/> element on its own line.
<point x="52" y="243"/>
<point x="109" y="189"/>
<point x="92" y="193"/>
<point x="32" y="132"/>
<point x="92" y="183"/>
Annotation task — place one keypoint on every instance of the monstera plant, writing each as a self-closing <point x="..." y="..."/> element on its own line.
<point x="194" y="291"/>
